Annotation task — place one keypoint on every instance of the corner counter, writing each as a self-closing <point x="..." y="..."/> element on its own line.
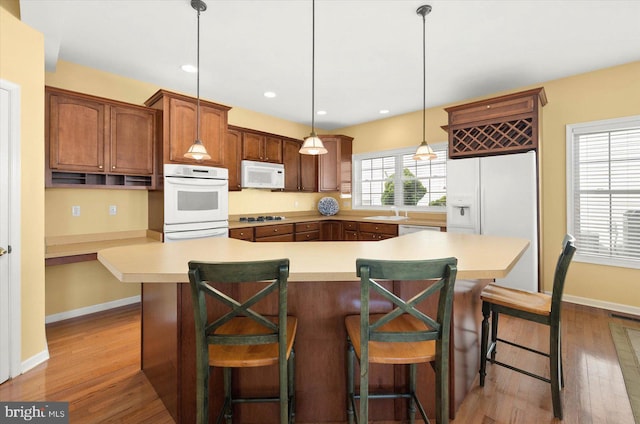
<point x="324" y="288"/>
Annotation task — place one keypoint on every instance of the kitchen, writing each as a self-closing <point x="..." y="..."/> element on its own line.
<point x="611" y="92"/>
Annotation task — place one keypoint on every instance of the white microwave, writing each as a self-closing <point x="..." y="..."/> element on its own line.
<point x="262" y="174"/>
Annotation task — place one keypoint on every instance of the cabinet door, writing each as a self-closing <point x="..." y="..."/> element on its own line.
<point x="308" y="173"/>
<point x="328" y="173"/>
<point x="76" y="134"/>
<point x="252" y="145"/>
<point x="233" y="153"/>
<point x="182" y="131"/>
<point x="273" y="149"/>
<point x="291" y="160"/>
<point x="132" y="135"/>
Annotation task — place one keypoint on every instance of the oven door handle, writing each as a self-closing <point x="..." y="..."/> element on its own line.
<point x="188" y="235"/>
<point x="199" y="182"/>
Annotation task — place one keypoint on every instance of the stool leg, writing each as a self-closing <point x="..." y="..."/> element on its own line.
<point x="486" y="311"/>
<point x="350" y="383"/>
<point x="291" y="378"/>
<point x="412" y="390"/>
<point x="555" y="368"/>
<point x="228" y="403"/>
<point x="494" y="334"/>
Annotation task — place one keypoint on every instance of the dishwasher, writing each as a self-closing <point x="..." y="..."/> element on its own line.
<point x="408" y="229"/>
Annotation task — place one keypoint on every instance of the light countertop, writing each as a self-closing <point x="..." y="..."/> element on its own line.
<point x="479" y="256"/>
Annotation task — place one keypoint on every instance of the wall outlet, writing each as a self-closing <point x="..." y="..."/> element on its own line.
<point x="113" y="209"/>
<point x="75" y="210"/>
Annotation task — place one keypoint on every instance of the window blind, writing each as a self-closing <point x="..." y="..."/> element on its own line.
<point x="604" y="194"/>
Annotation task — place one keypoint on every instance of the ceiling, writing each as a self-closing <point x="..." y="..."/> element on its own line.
<point x="368" y="54"/>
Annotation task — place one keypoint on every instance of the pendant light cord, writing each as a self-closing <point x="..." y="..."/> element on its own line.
<point x="424" y="78"/>
<point x="198" y="81"/>
<point x="313" y="66"/>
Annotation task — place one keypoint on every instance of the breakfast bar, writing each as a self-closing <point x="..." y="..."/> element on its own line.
<point x="323" y="289"/>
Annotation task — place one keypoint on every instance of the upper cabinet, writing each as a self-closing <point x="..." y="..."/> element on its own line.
<point x="233" y="154"/>
<point x="92" y="141"/>
<point x="179" y="124"/>
<point x="505" y="124"/>
<point x="261" y="147"/>
<point x="300" y="171"/>
<point x="334" y="167"/>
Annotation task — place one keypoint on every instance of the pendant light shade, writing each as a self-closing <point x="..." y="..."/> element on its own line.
<point x="424" y="152"/>
<point x="313" y="144"/>
<point x="197" y="150"/>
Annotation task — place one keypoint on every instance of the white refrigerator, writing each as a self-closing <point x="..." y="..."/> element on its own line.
<point x="497" y="195"/>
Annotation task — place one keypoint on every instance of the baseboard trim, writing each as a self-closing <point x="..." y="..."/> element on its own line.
<point x="91" y="309"/>
<point x="617" y="307"/>
<point x="34" y="361"/>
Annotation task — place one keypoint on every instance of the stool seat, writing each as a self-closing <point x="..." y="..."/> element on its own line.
<point x="239" y="356"/>
<point x="412" y="352"/>
<point x="535" y="303"/>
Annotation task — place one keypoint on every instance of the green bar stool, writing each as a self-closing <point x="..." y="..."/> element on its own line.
<point x="537" y="307"/>
<point x="405" y="335"/>
<point x="242" y="337"/>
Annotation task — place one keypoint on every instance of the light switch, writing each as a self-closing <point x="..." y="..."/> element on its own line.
<point x="113" y="209"/>
<point x="75" y="210"/>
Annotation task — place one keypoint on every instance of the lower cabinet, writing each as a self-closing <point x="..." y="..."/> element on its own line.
<point x="307" y="231"/>
<point x="242" y="233"/>
<point x="350" y="230"/>
<point x="279" y="232"/>
<point x="376" y="231"/>
<point x="331" y="231"/>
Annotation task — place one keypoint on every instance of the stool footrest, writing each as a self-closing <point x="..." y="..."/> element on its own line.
<point x="520" y="346"/>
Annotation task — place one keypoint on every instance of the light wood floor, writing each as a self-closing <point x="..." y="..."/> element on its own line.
<point x="95" y="365"/>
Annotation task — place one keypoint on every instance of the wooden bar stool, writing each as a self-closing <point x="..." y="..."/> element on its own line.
<point x="242" y="337"/>
<point x="404" y="335"/>
<point x="537" y="307"/>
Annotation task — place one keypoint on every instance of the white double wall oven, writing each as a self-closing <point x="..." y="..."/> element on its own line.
<point x="196" y="202"/>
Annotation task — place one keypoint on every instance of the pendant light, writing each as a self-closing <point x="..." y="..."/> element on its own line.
<point x="424" y="152"/>
<point x="197" y="150"/>
<point x="313" y="144"/>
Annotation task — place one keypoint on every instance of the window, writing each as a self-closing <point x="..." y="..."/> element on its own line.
<point x="603" y="191"/>
<point x="383" y="180"/>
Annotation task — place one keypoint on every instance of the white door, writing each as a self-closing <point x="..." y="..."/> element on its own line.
<point x="9" y="231"/>
<point x="509" y="208"/>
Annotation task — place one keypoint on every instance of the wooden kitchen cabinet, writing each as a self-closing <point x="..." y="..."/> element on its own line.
<point x="277" y="232"/>
<point x="307" y="231"/>
<point x="179" y="128"/>
<point x="291" y="160"/>
<point x="376" y="231"/>
<point x="261" y="147"/>
<point x="334" y="167"/>
<point x="245" y="233"/>
<point x="233" y="155"/>
<point x="500" y="125"/>
<point x="331" y="231"/>
<point x="300" y="171"/>
<point x="350" y="230"/>
<point x="92" y="141"/>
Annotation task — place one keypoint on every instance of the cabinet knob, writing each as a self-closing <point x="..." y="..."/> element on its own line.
<point x="100" y="166"/>
<point x="113" y="167"/>
<point x="275" y="230"/>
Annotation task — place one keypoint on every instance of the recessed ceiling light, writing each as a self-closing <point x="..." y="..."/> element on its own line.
<point x="189" y="68"/>
<point x="269" y="94"/>
<point x="322" y="112"/>
<point x="384" y="111"/>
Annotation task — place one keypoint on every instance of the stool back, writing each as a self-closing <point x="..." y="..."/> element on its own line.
<point x="559" y="278"/>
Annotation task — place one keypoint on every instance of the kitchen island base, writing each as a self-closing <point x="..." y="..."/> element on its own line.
<point x="168" y="354"/>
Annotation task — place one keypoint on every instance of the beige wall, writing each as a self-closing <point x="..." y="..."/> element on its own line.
<point x="22" y="62"/>
<point x="604" y="94"/>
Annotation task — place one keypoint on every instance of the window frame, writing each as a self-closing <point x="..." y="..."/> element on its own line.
<point x="356" y="198"/>
<point x="585" y="128"/>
